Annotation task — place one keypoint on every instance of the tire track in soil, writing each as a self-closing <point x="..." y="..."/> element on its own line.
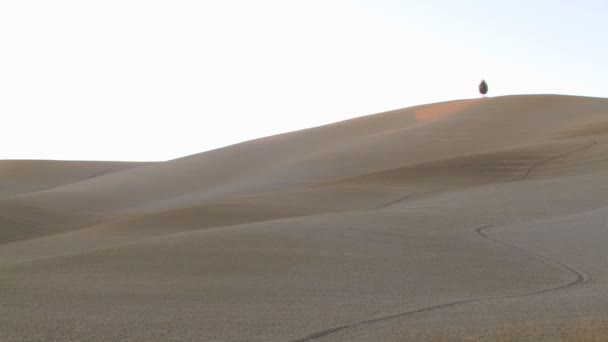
<point x="579" y="277"/>
<point x="537" y="164"/>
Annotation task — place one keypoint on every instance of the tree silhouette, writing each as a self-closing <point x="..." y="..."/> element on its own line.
<point x="483" y="88"/>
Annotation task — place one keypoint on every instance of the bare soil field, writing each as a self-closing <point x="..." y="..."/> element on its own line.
<point x="472" y="220"/>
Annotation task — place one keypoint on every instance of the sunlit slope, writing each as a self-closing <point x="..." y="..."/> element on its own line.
<point x="352" y="165"/>
<point x="347" y="149"/>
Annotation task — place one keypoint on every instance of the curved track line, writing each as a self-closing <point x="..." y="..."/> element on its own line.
<point x="537" y="164"/>
<point x="524" y="176"/>
<point x="580" y="277"/>
<point x="394" y="202"/>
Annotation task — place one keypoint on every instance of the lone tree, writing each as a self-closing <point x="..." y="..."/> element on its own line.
<point x="483" y="88"/>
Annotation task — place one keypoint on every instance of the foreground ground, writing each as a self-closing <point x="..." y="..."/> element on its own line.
<point x="469" y="220"/>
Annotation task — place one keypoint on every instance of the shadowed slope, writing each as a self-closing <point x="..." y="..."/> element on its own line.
<point x="23" y="176"/>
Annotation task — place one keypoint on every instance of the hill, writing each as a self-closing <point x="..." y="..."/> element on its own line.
<point x="454" y="218"/>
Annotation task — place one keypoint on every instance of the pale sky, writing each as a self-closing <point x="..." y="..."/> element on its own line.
<point x="157" y="80"/>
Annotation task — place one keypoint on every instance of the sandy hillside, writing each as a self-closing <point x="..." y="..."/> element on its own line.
<point x="479" y="219"/>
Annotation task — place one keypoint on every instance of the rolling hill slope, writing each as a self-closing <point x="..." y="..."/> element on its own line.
<point x="385" y="227"/>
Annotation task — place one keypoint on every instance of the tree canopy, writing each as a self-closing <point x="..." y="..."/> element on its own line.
<point x="483" y="87"/>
